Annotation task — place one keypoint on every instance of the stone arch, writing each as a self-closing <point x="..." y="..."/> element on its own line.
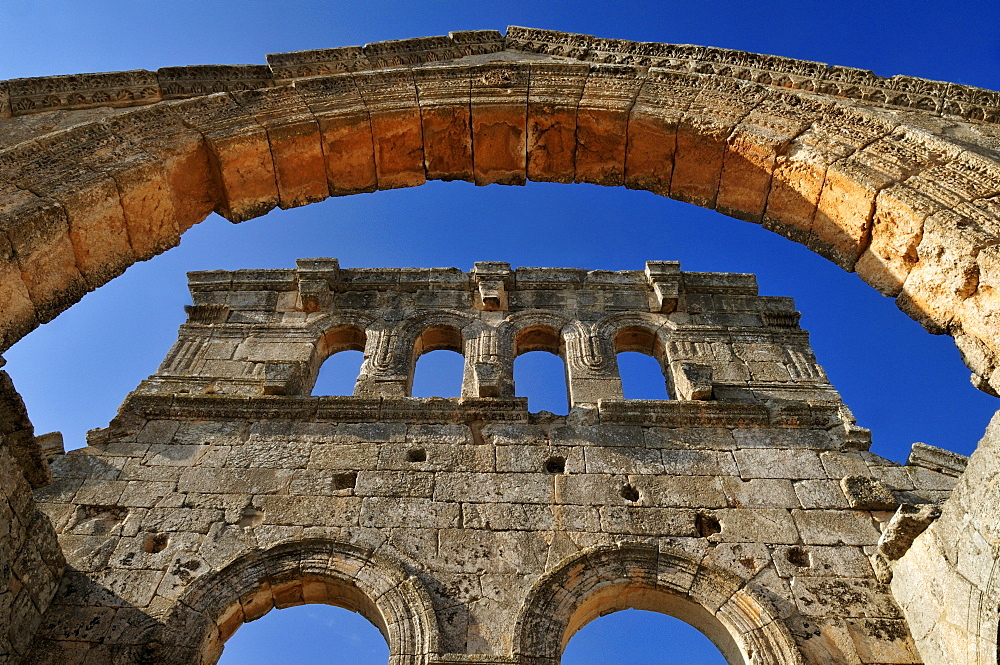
<point x="738" y="620"/>
<point x="347" y="331"/>
<point x="897" y="179"/>
<point x="309" y="571"/>
<point x="527" y="331"/>
<point x="511" y="331"/>
<point x="641" y="333"/>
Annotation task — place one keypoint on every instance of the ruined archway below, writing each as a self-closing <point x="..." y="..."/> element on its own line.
<point x="893" y="178"/>
<point x="726" y="609"/>
<point x="216" y="604"/>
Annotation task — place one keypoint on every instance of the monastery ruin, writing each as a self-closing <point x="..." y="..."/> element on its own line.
<point x="470" y="530"/>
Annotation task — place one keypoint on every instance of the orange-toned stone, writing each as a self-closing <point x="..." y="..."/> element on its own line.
<point x="19" y="317"/>
<point x="697" y="163"/>
<point x="194" y="183"/>
<point x="399" y="148"/>
<point x="187" y="171"/>
<point x="89" y="201"/>
<point x="718" y="108"/>
<point x="391" y="99"/>
<point x="947" y="271"/>
<point x="551" y="143"/>
<point x="746" y="175"/>
<point x="979" y="314"/>
<point x="230" y="619"/>
<point x="350" y="158"/>
<point x="443" y="95"/>
<point x="499" y="151"/>
<point x="553" y="98"/>
<point x="499" y="119"/>
<point x="97" y="230"/>
<point x="246" y="173"/>
<point x="39" y="237"/>
<point x="258" y="603"/>
<point x="240" y="153"/>
<point x="897" y="227"/>
<point x="286" y="594"/>
<point x="649" y="157"/>
<point x="447" y="134"/>
<point x="299" y="166"/>
<point x="293" y="135"/>
<point x="841" y="226"/>
<point x="148" y="207"/>
<point x="796" y="184"/>
<point x="602" y="123"/>
<point x="600" y="146"/>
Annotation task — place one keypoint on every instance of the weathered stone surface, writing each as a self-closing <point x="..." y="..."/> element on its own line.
<point x="256" y="495"/>
<point x="499" y="113"/>
<point x="102" y="170"/>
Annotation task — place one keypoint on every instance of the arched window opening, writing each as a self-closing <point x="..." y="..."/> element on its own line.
<point x="540" y="371"/>
<point x="640" y="356"/>
<point x="307" y="634"/>
<point x="642" y="376"/>
<point x="640" y="637"/>
<point x="541" y="377"/>
<point x="438" y="374"/>
<point x="339" y="373"/>
<point x="438" y="363"/>
<point x="538" y="338"/>
<point x="342" y="349"/>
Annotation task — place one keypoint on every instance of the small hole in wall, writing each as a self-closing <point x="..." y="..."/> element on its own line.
<point x="629" y="493"/>
<point x="555" y="465"/>
<point x="706" y="525"/>
<point x="155" y="542"/>
<point x="416" y="455"/>
<point x="798" y="557"/>
<point x="345" y="481"/>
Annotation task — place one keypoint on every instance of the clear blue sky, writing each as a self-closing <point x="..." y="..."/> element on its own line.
<point x="901" y="382"/>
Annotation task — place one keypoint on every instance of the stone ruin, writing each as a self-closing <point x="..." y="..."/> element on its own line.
<point x="470" y="530"/>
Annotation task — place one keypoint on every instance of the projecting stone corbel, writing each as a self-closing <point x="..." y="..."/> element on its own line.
<point x="909" y="522"/>
<point x="488" y="379"/>
<point x="693" y="381"/>
<point x="664" y="278"/>
<point x="492" y="281"/>
<point x="314" y="278"/>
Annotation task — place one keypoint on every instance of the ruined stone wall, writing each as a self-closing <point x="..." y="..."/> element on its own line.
<point x="947" y="582"/>
<point x="894" y="178"/>
<point x="469" y="528"/>
<point x="31" y="561"/>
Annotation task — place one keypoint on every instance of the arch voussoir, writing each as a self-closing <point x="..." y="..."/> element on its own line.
<point x="293" y="136"/>
<point x="240" y="152"/>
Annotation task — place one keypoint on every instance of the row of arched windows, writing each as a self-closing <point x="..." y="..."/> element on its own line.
<point x="540" y="376"/>
<point x="437" y="364"/>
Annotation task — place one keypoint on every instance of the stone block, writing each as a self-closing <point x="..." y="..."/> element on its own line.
<point x="865" y="493"/>
<point x="444" y="95"/>
<point x="828" y="527"/>
<point x="499" y="119"/>
<point x="758" y="493"/>
<point x="391" y="99"/>
<point x="778" y="463"/>
<point x="601" y="123"/>
<point x="765" y="525"/>
<point x="553" y="97"/>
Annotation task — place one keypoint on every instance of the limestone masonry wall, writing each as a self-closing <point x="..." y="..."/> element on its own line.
<point x="469" y="528"/>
